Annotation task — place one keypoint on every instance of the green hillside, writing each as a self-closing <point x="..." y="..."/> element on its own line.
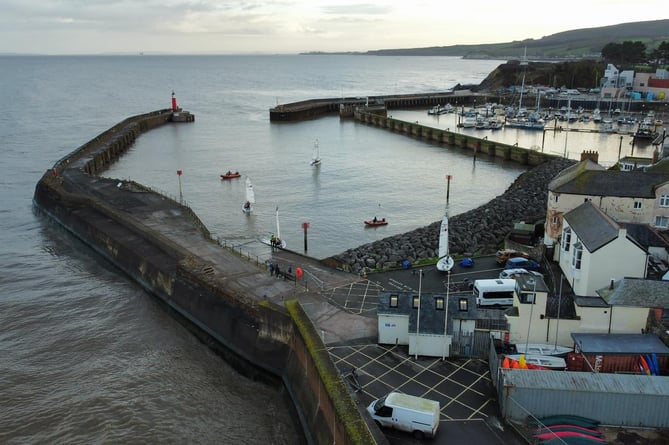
<point x="579" y="43"/>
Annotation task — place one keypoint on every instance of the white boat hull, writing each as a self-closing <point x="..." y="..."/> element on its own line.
<point x="445" y="264"/>
<point x="542" y="349"/>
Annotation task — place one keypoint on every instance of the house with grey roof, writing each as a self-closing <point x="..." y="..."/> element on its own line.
<point x="638" y="196"/>
<point x="596" y="249"/>
<point x="425" y="322"/>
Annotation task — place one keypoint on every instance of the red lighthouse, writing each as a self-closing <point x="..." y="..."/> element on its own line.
<point x="174" y="102"/>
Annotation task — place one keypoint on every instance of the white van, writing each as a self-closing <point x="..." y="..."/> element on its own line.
<point x="496" y="292"/>
<point x="413" y="414"/>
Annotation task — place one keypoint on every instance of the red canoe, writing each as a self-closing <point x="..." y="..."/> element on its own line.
<point x="378" y="222"/>
<point x="230" y="175"/>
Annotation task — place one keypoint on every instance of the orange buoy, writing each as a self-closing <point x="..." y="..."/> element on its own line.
<point x="505" y="363"/>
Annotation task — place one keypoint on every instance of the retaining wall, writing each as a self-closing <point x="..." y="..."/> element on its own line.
<point x="523" y="156"/>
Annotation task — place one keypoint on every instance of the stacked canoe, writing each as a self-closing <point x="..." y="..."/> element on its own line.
<point x="569" y="430"/>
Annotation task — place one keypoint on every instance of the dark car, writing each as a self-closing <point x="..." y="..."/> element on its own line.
<point x="522" y="263"/>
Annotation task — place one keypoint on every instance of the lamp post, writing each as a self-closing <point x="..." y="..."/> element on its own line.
<point x="420" y="283"/>
<point x="529" y="322"/>
<point x="448" y="290"/>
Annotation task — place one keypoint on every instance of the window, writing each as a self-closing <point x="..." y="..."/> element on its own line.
<point x="394" y="300"/>
<point x="576" y="258"/>
<point x="637" y="204"/>
<point x="416" y="300"/>
<point x="566" y="238"/>
<point x="557" y="197"/>
<point x="463" y="304"/>
<point x="664" y="201"/>
<point x="439" y="303"/>
<point x="661" y="221"/>
<point x="554" y="220"/>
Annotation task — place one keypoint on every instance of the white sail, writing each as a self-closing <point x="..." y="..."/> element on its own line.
<point x="316" y="159"/>
<point x="445" y="262"/>
<point x="250" y="194"/>
<point x="275" y="240"/>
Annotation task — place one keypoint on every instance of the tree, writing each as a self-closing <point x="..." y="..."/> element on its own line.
<point x="625" y="53"/>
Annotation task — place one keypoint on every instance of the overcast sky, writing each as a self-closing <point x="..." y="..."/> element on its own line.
<point x="293" y="26"/>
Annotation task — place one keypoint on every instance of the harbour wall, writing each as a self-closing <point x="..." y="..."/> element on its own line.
<point x="261" y="339"/>
<point x="523" y="156"/>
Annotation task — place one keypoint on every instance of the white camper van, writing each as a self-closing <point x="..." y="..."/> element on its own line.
<point x="497" y="292"/>
<point x="407" y="413"/>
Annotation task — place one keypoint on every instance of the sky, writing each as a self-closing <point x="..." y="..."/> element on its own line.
<point x="293" y="26"/>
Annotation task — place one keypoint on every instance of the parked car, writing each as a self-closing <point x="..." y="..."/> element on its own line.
<point x="513" y="273"/>
<point x="503" y="255"/>
<point x="522" y="263"/>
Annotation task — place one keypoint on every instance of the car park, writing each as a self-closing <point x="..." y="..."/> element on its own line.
<point x="522" y="263"/>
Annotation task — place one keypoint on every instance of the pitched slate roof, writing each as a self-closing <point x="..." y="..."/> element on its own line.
<point x="619" y="343"/>
<point x="646" y="236"/>
<point x="431" y="319"/>
<point x="631" y="184"/>
<point x="593" y="227"/>
<point x="568" y="174"/>
<point x="637" y="292"/>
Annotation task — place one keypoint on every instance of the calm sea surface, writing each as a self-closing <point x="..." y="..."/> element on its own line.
<point x="86" y="356"/>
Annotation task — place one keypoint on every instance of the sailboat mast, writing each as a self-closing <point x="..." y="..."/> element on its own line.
<point x="523" y="63"/>
<point x="278" y="231"/>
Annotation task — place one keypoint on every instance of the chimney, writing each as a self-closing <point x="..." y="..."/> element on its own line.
<point x="611" y="285"/>
<point x="590" y="154"/>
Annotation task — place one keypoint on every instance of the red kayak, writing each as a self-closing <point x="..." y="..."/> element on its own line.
<point x="230" y="175"/>
<point x="378" y="222"/>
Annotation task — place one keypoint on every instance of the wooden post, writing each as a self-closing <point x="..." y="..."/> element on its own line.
<point x="305" y="226"/>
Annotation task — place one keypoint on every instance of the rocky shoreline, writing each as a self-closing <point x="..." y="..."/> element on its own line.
<point x="477" y="232"/>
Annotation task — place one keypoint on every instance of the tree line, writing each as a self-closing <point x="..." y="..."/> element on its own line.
<point x="629" y="53"/>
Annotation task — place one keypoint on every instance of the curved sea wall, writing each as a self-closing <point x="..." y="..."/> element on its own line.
<point x="476" y="232"/>
<point x="260" y="338"/>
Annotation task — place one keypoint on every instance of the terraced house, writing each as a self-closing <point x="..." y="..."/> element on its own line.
<point x="607" y="224"/>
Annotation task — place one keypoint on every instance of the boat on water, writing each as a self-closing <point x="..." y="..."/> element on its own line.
<point x="230" y="175"/>
<point x="247" y="207"/>
<point x="596" y="115"/>
<point x="646" y="131"/>
<point x="445" y="261"/>
<point x="542" y="349"/>
<point x="376" y="222"/>
<point x="275" y="240"/>
<point x="438" y="109"/>
<point x="316" y="158"/>
<point x="545" y="361"/>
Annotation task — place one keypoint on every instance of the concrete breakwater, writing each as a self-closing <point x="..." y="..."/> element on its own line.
<point x="478" y="231"/>
<point x="254" y="320"/>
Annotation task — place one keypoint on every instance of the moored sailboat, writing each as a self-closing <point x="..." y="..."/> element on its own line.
<point x="445" y="262"/>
